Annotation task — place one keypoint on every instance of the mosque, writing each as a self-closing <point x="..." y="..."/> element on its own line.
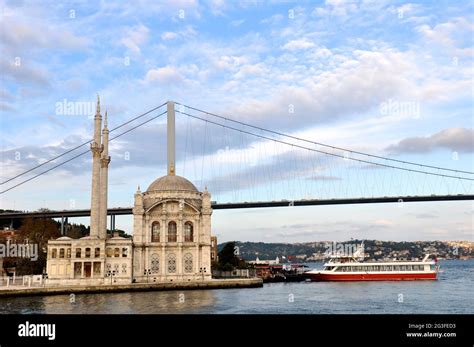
<point x="171" y="229"/>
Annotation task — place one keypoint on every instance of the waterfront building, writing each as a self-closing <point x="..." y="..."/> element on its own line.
<point x="171" y="231"/>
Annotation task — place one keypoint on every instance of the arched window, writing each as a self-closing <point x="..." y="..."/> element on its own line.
<point x="61" y="253"/>
<point x="54" y="253"/>
<point x="171" y="263"/>
<point x="188" y="232"/>
<point x="172" y="233"/>
<point x="188" y="263"/>
<point x="116" y="252"/>
<point x="155" y="263"/>
<point x="155" y="232"/>
<point x="88" y="252"/>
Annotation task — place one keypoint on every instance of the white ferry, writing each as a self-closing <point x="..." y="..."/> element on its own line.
<point x="354" y="268"/>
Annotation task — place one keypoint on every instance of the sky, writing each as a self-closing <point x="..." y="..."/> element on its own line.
<point x="389" y="78"/>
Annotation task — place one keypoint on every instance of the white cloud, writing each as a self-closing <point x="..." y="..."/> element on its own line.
<point x="169" y="35"/>
<point x="135" y="37"/>
<point x="300" y="44"/>
<point x="167" y="74"/>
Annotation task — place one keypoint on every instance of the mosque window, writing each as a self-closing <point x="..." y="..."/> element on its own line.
<point x="188" y="263"/>
<point x="155" y="263"/>
<point x="54" y="253"/>
<point x="124" y="268"/>
<point x="172" y="233"/>
<point x="61" y="253"/>
<point x="88" y="252"/>
<point x="97" y="253"/>
<point x="124" y="252"/>
<point x="188" y="232"/>
<point x="155" y="232"/>
<point x="171" y="263"/>
<point x="78" y="252"/>
<point x="68" y="253"/>
<point x="109" y="252"/>
<point x="117" y="252"/>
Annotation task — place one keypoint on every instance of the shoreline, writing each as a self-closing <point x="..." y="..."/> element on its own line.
<point x="134" y="287"/>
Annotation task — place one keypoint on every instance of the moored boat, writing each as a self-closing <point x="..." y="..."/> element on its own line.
<point x="354" y="268"/>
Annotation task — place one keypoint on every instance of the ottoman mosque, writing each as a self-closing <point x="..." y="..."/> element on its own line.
<point x="171" y="228"/>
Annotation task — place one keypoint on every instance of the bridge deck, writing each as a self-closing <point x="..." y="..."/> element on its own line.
<point x="258" y="204"/>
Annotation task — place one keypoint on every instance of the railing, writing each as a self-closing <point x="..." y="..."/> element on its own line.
<point x="26" y="281"/>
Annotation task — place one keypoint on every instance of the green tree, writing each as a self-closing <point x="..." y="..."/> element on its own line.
<point x="228" y="259"/>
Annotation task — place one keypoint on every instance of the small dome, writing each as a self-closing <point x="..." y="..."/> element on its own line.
<point x="171" y="182"/>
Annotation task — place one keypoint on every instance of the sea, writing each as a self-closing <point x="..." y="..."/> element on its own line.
<point x="452" y="293"/>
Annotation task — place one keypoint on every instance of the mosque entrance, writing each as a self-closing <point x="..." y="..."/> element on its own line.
<point x="87" y="269"/>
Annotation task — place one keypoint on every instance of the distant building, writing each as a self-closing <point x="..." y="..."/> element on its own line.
<point x="214" y="252"/>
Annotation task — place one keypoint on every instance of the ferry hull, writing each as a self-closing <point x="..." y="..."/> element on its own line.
<point x="319" y="277"/>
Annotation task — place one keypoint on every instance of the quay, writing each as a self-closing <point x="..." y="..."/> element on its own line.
<point x="18" y="291"/>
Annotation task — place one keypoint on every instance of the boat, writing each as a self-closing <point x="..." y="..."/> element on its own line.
<point x="354" y="268"/>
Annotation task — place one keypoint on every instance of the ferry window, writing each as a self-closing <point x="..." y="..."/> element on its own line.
<point x="54" y="253"/>
<point x="61" y="253"/>
<point x="68" y="253"/>
<point x="97" y="253"/>
<point x="396" y="268"/>
<point x="88" y="252"/>
<point x="403" y="267"/>
<point x="117" y="252"/>
<point x="409" y="268"/>
<point x="78" y="252"/>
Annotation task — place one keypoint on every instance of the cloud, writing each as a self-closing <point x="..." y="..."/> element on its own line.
<point x="167" y="74"/>
<point x="453" y="139"/>
<point x="23" y="73"/>
<point x="296" y="45"/>
<point x="135" y="37"/>
<point x="169" y="35"/>
<point x="23" y="35"/>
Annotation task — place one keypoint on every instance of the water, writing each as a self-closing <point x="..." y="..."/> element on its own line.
<point x="452" y="293"/>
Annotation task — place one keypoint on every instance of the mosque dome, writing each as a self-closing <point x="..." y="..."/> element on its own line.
<point x="172" y="182"/>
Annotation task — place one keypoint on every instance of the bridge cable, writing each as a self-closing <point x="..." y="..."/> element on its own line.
<point x="79" y="146"/>
<point x="81" y="154"/>
<point x="327" y="153"/>
<point x="323" y="144"/>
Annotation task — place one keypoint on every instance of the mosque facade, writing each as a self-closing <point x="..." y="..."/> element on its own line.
<point x="171" y="239"/>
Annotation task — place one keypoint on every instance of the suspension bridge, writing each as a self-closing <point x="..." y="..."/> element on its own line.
<point x="248" y="166"/>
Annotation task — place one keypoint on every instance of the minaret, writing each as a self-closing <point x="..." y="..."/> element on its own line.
<point x="104" y="180"/>
<point x="171" y="139"/>
<point x="96" y="149"/>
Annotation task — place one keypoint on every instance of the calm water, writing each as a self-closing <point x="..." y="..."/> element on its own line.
<point x="452" y="293"/>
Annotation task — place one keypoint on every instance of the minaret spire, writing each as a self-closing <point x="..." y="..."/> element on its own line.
<point x="104" y="180"/>
<point x="96" y="149"/>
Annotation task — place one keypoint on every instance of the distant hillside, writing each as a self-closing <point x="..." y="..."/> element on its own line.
<point x="314" y="251"/>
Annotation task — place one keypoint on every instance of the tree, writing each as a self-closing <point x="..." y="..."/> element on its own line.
<point x="228" y="258"/>
<point x="39" y="232"/>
